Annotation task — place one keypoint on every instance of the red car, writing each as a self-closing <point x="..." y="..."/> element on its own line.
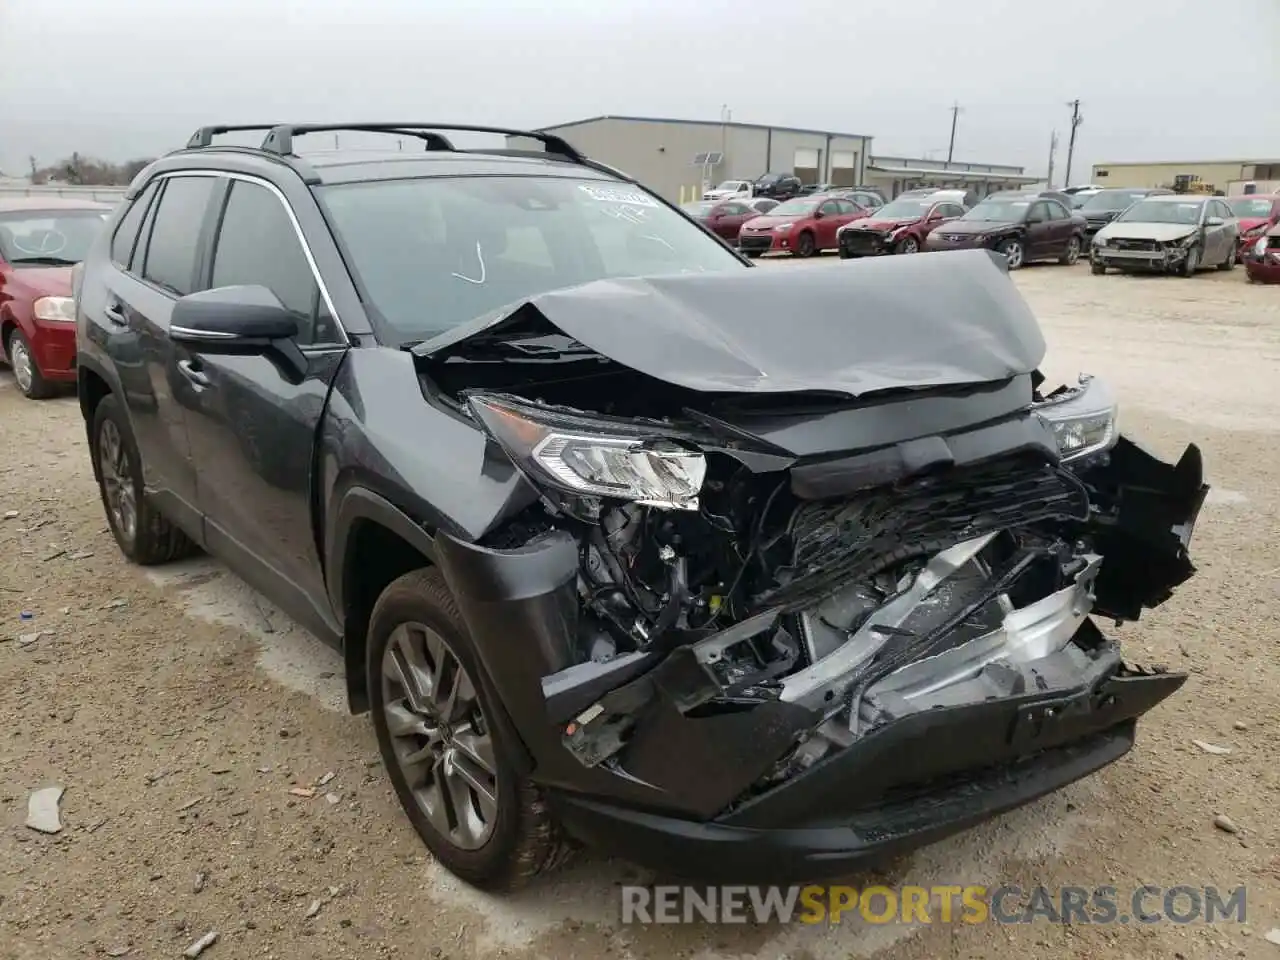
<point x="900" y="226"/>
<point x="802" y="226"/>
<point x="1262" y="258"/>
<point x="1256" y="214"/>
<point x="724" y="218"/>
<point x="41" y="239"/>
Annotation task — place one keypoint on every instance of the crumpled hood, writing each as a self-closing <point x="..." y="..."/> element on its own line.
<point x="880" y="225"/>
<point x="862" y="327"/>
<point x="1250" y="223"/>
<point x="976" y="226"/>
<point x="44" y="281"/>
<point x="1135" y="230"/>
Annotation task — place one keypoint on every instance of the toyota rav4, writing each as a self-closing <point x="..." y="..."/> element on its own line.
<point x="612" y="555"/>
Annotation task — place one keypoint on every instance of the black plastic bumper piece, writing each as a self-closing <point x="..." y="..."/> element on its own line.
<point x="823" y="824"/>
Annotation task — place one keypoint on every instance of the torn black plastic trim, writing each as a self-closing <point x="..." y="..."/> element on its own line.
<point x="1146" y="513"/>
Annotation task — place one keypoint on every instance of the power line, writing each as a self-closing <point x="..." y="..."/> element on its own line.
<point x="1076" y="120"/>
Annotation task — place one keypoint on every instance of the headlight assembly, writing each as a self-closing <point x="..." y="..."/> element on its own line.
<point x="55" y="308"/>
<point x="784" y="227"/>
<point x="594" y="458"/>
<point x="1083" y="419"/>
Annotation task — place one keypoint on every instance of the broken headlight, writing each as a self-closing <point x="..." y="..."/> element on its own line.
<point x="1083" y="418"/>
<point x="593" y="458"/>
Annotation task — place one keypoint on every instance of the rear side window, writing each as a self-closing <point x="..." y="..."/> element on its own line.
<point x="175" y="234"/>
<point x="126" y="237"/>
<point x="257" y="245"/>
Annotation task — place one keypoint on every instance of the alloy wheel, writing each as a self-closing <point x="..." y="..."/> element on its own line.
<point x="117" y="480"/>
<point x="909" y="245"/>
<point x="1073" y="251"/>
<point x="439" y="735"/>
<point x="1013" y="253"/>
<point x="20" y="361"/>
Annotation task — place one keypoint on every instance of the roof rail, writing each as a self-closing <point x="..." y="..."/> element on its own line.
<point x="204" y="136"/>
<point x="280" y="139"/>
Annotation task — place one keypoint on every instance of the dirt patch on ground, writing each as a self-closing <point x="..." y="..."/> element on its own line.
<point x="213" y="782"/>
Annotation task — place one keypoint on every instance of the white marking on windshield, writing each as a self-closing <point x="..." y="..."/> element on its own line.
<point x="483" y="272"/>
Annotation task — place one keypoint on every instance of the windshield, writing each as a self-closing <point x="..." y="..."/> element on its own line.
<point x="1250" y="206"/>
<point x="904" y="209"/>
<point x="49" y="237"/>
<point x="1002" y="211"/>
<point x="1164" y="211"/>
<point x="1109" y="202"/>
<point x="435" y="252"/>
<point x="699" y="208"/>
<point x="794" y="208"/>
<point x="732" y="186"/>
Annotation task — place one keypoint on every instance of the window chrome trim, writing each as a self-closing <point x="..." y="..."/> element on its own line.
<point x="293" y="219"/>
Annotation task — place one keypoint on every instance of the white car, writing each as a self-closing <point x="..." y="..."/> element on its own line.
<point x="730" y="190"/>
<point x="1171" y="233"/>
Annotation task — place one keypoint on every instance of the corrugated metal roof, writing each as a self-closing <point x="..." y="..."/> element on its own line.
<point x="703" y="123"/>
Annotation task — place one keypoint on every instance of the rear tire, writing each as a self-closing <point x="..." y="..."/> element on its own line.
<point x="26" y="371"/>
<point x="142" y="532"/>
<point x="1072" y="255"/>
<point x="498" y="839"/>
<point x="1097" y="269"/>
<point x="1230" y="262"/>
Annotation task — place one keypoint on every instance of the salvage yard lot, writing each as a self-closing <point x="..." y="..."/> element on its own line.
<point x="178" y="711"/>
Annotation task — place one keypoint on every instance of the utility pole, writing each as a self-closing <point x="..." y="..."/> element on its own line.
<point x="1053" y="150"/>
<point x="951" y="146"/>
<point x="1076" y="120"/>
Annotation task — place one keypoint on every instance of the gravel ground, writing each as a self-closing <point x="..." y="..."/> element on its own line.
<point x="178" y="711"/>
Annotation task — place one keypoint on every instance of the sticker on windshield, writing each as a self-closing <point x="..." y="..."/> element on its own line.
<point x="635" y="198"/>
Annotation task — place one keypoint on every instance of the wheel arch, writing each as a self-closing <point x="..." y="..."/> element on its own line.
<point x="374" y="542"/>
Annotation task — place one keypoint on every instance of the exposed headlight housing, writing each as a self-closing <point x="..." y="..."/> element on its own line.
<point x="1083" y="419"/>
<point x="1260" y="248"/>
<point x="1257" y="231"/>
<point x="55" y="308"/>
<point x="594" y="458"/>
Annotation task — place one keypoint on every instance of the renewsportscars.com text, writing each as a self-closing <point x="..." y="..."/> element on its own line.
<point x="971" y="904"/>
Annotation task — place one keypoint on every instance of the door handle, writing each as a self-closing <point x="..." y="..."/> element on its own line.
<point x="191" y="370"/>
<point x="114" y="312"/>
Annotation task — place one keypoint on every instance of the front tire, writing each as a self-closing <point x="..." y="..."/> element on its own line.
<point x="1230" y="262"/>
<point x="1013" y="251"/>
<point x="805" y="246"/>
<point x="1097" y="269"/>
<point x="908" y="245"/>
<point x="142" y="532"/>
<point x="1192" y="263"/>
<point x="26" y="372"/>
<point x="444" y="755"/>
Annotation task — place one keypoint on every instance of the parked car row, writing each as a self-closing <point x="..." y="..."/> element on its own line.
<point x="787" y="186"/>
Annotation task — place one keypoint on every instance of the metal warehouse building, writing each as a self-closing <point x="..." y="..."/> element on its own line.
<point x="680" y="158"/>
<point x="1229" y="176"/>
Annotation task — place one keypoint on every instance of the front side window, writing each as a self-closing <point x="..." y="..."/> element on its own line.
<point x="257" y="245"/>
<point x="48" y="238"/>
<point x="435" y="252"/>
<point x="126" y="237"/>
<point x="175" y="234"/>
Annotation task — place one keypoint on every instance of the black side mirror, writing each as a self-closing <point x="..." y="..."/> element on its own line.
<point x="237" y="320"/>
<point x="818" y="214"/>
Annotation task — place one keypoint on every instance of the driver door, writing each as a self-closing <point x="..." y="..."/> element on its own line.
<point x="252" y="420"/>
<point x="1039" y="231"/>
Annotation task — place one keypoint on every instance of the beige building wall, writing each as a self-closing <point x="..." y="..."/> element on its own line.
<point x="660" y="153"/>
<point x="1219" y="173"/>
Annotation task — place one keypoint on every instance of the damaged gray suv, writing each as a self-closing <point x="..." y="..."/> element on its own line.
<point x="614" y="553"/>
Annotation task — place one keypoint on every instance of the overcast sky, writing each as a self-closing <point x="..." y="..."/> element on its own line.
<point x="1158" y="79"/>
